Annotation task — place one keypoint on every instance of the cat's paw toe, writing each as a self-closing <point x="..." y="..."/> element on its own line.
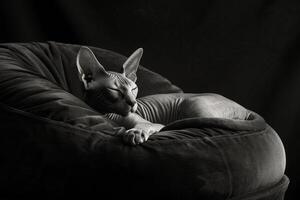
<point x="135" y="136"/>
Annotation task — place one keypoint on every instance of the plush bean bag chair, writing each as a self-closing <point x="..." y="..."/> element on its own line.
<point x="53" y="145"/>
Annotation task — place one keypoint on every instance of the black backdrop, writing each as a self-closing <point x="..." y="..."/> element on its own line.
<point x="246" y="50"/>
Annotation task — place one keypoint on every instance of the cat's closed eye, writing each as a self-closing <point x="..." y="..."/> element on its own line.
<point x="134" y="90"/>
<point x="115" y="92"/>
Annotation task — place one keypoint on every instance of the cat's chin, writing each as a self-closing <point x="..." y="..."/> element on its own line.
<point x="125" y="114"/>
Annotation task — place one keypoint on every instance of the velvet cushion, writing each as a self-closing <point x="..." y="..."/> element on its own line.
<point x="54" y="145"/>
<point x="214" y="159"/>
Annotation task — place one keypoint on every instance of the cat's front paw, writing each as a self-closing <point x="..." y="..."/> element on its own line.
<point x="135" y="136"/>
<point x="141" y="132"/>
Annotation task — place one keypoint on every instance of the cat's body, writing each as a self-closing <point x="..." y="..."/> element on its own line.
<point x="114" y="94"/>
<point x="176" y="106"/>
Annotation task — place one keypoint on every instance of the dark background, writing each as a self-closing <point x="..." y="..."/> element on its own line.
<point x="248" y="51"/>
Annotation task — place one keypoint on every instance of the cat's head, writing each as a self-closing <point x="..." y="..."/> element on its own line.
<point x="108" y="91"/>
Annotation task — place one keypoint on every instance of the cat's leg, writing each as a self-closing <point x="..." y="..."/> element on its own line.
<point x="167" y="108"/>
<point x="138" y="128"/>
<point x="210" y="106"/>
<point x="152" y="113"/>
<point x="141" y="129"/>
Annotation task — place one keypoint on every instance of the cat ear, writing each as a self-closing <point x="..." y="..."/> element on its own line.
<point x="88" y="66"/>
<point x="131" y="64"/>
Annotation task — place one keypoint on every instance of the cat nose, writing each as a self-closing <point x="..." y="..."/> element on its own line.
<point x="131" y="103"/>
